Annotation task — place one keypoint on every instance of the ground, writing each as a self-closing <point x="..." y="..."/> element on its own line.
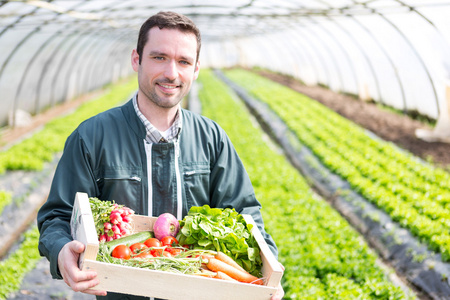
<point x="390" y="126"/>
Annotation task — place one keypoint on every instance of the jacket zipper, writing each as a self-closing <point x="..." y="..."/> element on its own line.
<point x="178" y="178"/>
<point x="148" y="153"/>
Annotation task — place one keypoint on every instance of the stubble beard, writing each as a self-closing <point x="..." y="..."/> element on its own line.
<point x="159" y="101"/>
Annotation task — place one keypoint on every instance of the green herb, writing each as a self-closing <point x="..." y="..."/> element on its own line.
<point x="101" y="211"/>
<point x="187" y="262"/>
<point x="221" y="230"/>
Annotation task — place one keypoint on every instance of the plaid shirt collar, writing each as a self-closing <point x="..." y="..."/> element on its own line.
<point x="153" y="134"/>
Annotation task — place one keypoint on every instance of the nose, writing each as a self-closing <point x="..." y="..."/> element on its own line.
<point x="171" y="70"/>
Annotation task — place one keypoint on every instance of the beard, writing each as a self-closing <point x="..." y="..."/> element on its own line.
<point x="165" y="100"/>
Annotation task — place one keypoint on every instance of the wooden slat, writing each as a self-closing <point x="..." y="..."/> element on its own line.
<point x="168" y="285"/>
<point x="271" y="269"/>
<point x="83" y="227"/>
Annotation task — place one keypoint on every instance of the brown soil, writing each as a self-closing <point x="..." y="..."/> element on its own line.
<point x="396" y="128"/>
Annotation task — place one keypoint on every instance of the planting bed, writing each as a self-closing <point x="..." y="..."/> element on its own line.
<point x="323" y="255"/>
<point x="422" y="267"/>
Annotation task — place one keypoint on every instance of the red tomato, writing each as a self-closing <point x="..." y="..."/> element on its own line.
<point x="167" y="254"/>
<point x="169" y="241"/>
<point x="152" y="242"/>
<point x="157" y="252"/>
<point x="144" y="255"/>
<point x="121" y="251"/>
<point x="174" y="251"/>
<point x="135" y="248"/>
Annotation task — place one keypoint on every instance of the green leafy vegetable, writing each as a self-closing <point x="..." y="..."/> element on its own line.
<point x="222" y="230"/>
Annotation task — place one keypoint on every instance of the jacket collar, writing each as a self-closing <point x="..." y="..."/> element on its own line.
<point x="133" y="120"/>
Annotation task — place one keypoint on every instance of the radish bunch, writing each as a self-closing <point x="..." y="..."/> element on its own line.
<point x="112" y="220"/>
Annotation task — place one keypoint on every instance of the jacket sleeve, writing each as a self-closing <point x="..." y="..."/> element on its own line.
<point x="73" y="174"/>
<point x="231" y="187"/>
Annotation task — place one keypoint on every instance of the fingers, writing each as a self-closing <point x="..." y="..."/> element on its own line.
<point x="78" y="280"/>
<point x="76" y="247"/>
<point x="279" y="294"/>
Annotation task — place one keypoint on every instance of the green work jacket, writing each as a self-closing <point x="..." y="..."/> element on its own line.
<point x="107" y="157"/>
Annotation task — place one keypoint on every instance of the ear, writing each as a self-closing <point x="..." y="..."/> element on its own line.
<point x="135" y="60"/>
<point x="197" y="70"/>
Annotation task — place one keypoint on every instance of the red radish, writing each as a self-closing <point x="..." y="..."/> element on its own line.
<point x="165" y="225"/>
<point x="115" y="218"/>
<point x="107" y="226"/>
<point x="111" y="220"/>
<point x="102" y="238"/>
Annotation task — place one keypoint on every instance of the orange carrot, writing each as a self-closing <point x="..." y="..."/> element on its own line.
<point x="217" y="265"/>
<point x="226" y="259"/>
<point x="222" y="275"/>
<point x="207" y="273"/>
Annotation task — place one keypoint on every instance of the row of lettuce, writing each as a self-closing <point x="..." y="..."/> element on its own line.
<point x="415" y="194"/>
<point x="19" y="263"/>
<point x="31" y="154"/>
<point x="324" y="257"/>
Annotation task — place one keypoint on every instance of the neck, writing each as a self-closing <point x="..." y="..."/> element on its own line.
<point x="160" y="117"/>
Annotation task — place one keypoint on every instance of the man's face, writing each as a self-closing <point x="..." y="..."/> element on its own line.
<point x="168" y="66"/>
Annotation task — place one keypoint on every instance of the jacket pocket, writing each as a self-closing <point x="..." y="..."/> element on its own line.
<point x="123" y="188"/>
<point x="196" y="184"/>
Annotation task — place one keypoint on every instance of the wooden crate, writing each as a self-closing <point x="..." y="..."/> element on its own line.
<point x="160" y="284"/>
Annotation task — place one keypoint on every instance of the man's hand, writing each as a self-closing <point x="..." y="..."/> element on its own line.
<point x="280" y="292"/>
<point x="79" y="281"/>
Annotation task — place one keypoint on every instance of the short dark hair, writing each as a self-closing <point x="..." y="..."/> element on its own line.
<point x="167" y="19"/>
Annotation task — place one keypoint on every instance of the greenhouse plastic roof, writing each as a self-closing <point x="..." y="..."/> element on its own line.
<point x="395" y="52"/>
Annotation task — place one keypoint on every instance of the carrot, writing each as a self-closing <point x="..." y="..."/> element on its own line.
<point x="222" y="275"/>
<point x="207" y="273"/>
<point x="226" y="259"/>
<point x="218" y="265"/>
<point x="206" y="256"/>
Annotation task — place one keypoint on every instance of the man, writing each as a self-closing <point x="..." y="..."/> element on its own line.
<point x="148" y="154"/>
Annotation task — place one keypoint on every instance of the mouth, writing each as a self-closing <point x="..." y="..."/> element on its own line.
<point x="168" y="88"/>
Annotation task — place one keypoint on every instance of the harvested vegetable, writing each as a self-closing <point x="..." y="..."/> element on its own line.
<point x="222" y="275"/>
<point x="152" y="242"/>
<point x="122" y="252"/>
<point x="169" y="241"/>
<point x="166" y="225"/>
<point x="228" y="260"/>
<point x="139" y="237"/>
<point x="137" y="247"/>
<point x="224" y="230"/>
<point x="219" y="266"/>
<point x="112" y="221"/>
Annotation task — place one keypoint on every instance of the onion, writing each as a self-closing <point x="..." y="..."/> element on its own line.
<point x="166" y="225"/>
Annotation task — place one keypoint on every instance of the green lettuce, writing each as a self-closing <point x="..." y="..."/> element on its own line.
<point x="221" y="229"/>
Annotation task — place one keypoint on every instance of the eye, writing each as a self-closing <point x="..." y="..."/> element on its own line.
<point x="184" y="62"/>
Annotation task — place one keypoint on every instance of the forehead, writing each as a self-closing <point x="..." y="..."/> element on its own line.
<point x="171" y="41"/>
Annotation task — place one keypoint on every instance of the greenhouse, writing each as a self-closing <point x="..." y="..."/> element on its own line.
<point x="336" y="115"/>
